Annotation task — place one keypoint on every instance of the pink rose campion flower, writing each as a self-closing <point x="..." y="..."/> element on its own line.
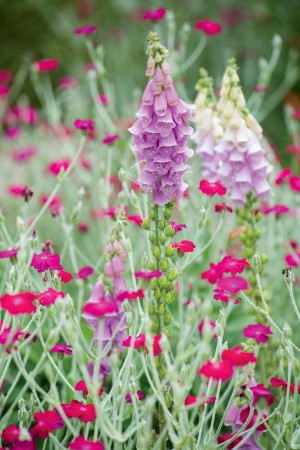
<point x="160" y="132"/>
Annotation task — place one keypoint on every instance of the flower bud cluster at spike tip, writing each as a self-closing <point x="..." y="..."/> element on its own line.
<point x="208" y="127"/>
<point x="160" y="131"/>
<point x="243" y="166"/>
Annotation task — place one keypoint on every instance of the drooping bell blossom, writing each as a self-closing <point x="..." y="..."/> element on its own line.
<point x="208" y="27"/>
<point x="80" y="443"/>
<point x="46" y="65"/>
<point x="155" y="15"/>
<point x="47" y="422"/>
<point x="160" y="131"/>
<point x="220" y="370"/>
<point x="50" y="296"/>
<point x="46" y="261"/>
<point x="258" y="331"/>
<point x="208" y="128"/>
<point x="21" y="303"/>
<point x="85" y="272"/>
<point x="236" y="417"/>
<point x="242" y="165"/>
<point x="10" y="434"/>
<point x="9" y="253"/>
<point x="84" y="412"/>
<point x="113" y="317"/>
<point x="184" y="246"/>
<point x="62" y="348"/>
<point x="237" y="357"/>
<point x="87" y="29"/>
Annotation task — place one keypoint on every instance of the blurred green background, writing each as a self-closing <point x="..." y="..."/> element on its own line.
<point x="35" y="29"/>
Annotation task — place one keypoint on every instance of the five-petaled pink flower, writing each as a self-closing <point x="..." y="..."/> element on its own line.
<point x="101" y="308"/>
<point x="212" y="188"/>
<point x="110" y="138"/>
<point x="221" y="370"/>
<point x="154" y="14"/>
<point x="62" y="348"/>
<point x="21" y="303"/>
<point x="50" y="296"/>
<point x="46" y="261"/>
<point x="85" y="124"/>
<point x="47" y="422"/>
<point x="46" y="65"/>
<point x="208" y="27"/>
<point x="233" y="284"/>
<point x="9" y="253"/>
<point x="84" y="412"/>
<point x="258" y="331"/>
<point x="80" y="443"/>
<point x="237" y="357"/>
<point x="184" y="246"/>
<point x="85" y="272"/>
<point x="10" y="434"/>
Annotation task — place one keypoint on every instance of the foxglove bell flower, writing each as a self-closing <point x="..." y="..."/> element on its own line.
<point x="208" y="127"/>
<point x="242" y="165"/>
<point x="160" y="131"/>
<point x="107" y="317"/>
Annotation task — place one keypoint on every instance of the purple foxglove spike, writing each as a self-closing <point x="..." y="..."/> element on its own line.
<point x="160" y="143"/>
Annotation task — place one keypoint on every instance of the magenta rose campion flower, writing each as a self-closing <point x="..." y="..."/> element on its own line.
<point x="160" y="132"/>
